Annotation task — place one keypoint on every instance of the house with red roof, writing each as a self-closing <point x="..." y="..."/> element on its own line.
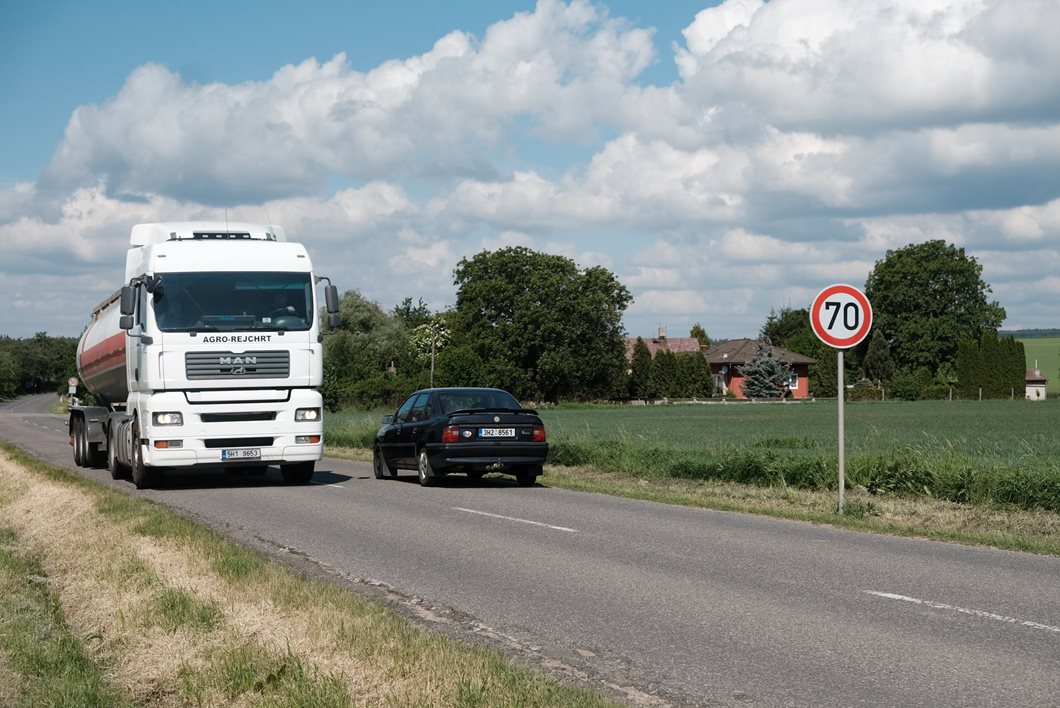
<point x="726" y="358"/>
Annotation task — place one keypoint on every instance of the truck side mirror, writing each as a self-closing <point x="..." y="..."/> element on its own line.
<point x="331" y="296"/>
<point x="128" y="301"/>
<point x="334" y="320"/>
<point x="126" y="322"/>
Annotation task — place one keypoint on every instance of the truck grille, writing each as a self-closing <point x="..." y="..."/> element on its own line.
<point x="229" y="365"/>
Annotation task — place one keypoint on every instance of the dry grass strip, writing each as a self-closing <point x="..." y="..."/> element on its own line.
<point x="114" y="580"/>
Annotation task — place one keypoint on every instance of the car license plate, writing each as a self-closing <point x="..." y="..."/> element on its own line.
<point x="242" y="453"/>
<point x="496" y="432"/>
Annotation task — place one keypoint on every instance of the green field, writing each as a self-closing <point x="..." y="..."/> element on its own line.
<point x="1046" y="350"/>
<point x="992" y="452"/>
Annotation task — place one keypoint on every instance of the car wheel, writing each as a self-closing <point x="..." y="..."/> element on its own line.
<point x="380" y="466"/>
<point x="141" y="476"/>
<point x="299" y="473"/>
<point x="527" y="477"/>
<point x="427" y="478"/>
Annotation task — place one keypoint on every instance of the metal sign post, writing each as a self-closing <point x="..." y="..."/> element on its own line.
<point x="841" y="317"/>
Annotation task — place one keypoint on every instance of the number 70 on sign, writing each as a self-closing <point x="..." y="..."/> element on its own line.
<point x="841" y="316"/>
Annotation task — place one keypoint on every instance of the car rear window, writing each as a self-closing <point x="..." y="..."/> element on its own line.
<point x="461" y="400"/>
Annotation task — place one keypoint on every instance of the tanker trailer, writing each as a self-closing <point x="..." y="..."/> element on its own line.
<point x="208" y="357"/>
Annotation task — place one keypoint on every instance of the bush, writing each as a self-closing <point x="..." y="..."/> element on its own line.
<point x="935" y="392"/>
<point x="903" y="471"/>
<point x="863" y="394"/>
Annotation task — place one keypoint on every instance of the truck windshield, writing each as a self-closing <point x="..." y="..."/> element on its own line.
<point x="230" y="301"/>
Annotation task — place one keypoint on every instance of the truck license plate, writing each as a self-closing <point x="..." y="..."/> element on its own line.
<point x="242" y="453"/>
<point x="496" y="432"/>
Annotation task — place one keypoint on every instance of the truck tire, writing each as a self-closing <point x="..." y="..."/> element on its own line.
<point x="141" y="475"/>
<point x="79" y="442"/>
<point x="299" y="473"/>
<point x="117" y="470"/>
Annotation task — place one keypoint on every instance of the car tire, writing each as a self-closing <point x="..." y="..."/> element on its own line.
<point x="527" y="477"/>
<point x="299" y="473"/>
<point x="380" y="467"/>
<point x="141" y="475"/>
<point x="427" y="478"/>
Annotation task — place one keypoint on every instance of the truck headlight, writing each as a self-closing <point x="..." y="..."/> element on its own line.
<point x="304" y="415"/>
<point x="167" y="418"/>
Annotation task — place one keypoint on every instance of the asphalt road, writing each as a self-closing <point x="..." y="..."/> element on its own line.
<point x="663" y="603"/>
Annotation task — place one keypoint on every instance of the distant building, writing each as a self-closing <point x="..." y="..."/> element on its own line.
<point x="677" y="345"/>
<point x="1035" y="385"/>
<point x="725" y="360"/>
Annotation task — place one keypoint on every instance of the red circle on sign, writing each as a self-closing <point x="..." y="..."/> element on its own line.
<point x="817" y="309"/>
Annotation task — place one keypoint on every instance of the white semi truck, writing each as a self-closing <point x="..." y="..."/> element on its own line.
<point x="209" y="356"/>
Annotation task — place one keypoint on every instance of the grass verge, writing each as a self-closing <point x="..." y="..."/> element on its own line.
<point x="175" y="614"/>
<point x="1001" y="526"/>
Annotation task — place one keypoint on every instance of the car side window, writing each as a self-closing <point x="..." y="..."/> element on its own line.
<point x="405" y="410"/>
<point x="421" y="408"/>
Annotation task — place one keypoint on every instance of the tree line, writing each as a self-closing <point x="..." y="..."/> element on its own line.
<point x="38" y="364"/>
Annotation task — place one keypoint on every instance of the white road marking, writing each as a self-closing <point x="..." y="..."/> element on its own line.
<point x="325" y="484"/>
<point x="976" y="613"/>
<point x="521" y="521"/>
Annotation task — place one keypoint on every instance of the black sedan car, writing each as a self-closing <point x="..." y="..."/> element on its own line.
<point x="470" y="430"/>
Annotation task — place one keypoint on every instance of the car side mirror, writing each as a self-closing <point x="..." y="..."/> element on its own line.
<point x="388" y="419"/>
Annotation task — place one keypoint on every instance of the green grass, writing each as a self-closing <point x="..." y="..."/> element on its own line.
<point x="1046" y="351"/>
<point x="989" y="452"/>
<point x="38" y="644"/>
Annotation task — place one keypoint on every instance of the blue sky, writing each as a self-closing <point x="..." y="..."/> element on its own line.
<point x="723" y="160"/>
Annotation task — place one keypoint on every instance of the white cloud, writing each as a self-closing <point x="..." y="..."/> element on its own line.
<point x="801" y="142"/>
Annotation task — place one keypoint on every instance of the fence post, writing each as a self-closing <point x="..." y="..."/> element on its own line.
<point x="980" y="393"/>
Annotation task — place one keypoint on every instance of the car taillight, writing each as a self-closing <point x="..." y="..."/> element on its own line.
<point x="539" y="433"/>
<point x="451" y="434"/>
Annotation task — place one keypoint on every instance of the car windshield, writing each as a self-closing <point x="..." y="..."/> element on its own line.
<point x="230" y="301"/>
<point x="477" y="399"/>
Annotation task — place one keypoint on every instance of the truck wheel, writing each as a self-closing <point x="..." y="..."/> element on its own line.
<point x="115" y="467"/>
<point x="141" y="476"/>
<point x="427" y="478"/>
<point x="299" y="473"/>
<point x="79" y="455"/>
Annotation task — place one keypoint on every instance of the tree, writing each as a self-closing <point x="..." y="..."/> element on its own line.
<point x="927" y="297"/>
<point x="780" y="327"/>
<point x="10" y="372"/>
<point x="694" y="377"/>
<point x="412" y="316"/>
<point x="640" y="371"/>
<point x="543" y="328"/>
<point x="664" y="374"/>
<point x="879" y="366"/>
<point x="700" y="334"/>
<point x="765" y="376"/>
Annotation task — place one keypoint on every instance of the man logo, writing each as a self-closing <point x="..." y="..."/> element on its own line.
<point x="237" y="360"/>
<point x="239" y="371"/>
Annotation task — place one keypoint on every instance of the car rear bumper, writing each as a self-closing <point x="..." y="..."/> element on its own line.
<point x="493" y="457"/>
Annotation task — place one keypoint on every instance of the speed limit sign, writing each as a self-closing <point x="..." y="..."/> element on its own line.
<point x="841" y="316"/>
